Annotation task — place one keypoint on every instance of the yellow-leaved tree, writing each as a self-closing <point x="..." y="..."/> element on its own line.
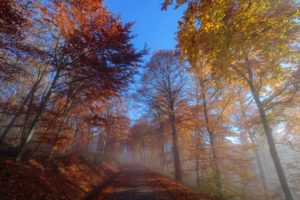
<point x="255" y="42"/>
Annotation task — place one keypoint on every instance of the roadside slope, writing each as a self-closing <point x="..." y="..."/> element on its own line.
<point x="65" y="178"/>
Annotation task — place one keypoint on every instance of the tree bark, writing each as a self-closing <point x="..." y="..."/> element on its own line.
<point x="260" y="168"/>
<point x="197" y="163"/>
<point x="177" y="163"/>
<point x="259" y="164"/>
<point x="279" y="169"/>
<point x="26" y="120"/>
<point x="162" y="162"/>
<point x="15" y="117"/>
<point x="161" y="143"/>
<point x="106" y="140"/>
<point x="61" y="126"/>
<point x="99" y="148"/>
<point x="144" y="150"/>
<point x="30" y="95"/>
<point x="43" y="105"/>
<point x="212" y="143"/>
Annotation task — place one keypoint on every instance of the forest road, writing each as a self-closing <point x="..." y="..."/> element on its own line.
<point x="135" y="182"/>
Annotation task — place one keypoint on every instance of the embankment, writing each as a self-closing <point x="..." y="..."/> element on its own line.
<point x="65" y="178"/>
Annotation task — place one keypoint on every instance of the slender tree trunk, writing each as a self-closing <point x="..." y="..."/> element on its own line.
<point x="212" y="143"/>
<point x="87" y="149"/>
<point x="279" y="169"/>
<point x="215" y="163"/>
<point x="104" y="147"/>
<point x="30" y="95"/>
<point x="74" y="142"/>
<point x="198" y="147"/>
<point x="61" y="126"/>
<point x="40" y="142"/>
<point x="106" y="138"/>
<point x="19" y="112"/>
<point x="99" y="155"/>
<point x="36" y="118"/>
<point x="260" y="168"/>
<point x="51" y="154"/>
<point x="162" y="161"/>
<point x="144" y="150"/>
<point x="65" y="111"/>
<point x="26" y="120"/>
<point x="161" y="143"/>
<point x="259" y="164"/>
<point x="177" y="162"/>
<point x="35" y="149"/>
<point x="197" y="172"/>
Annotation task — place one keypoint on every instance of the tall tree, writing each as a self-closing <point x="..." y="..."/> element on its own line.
<point x="247" y="41"/>
<point x="164" y="85"/>
<point x="87" y="54"/>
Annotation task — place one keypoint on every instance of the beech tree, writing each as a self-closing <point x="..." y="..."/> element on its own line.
<point x="87" y="55"/>
<point x="213" y="100"/>
<point x="89" y="50"/>
<point x="16" y="58"/>
<point x="164" y="88"/>
<point x="247" y="41"/>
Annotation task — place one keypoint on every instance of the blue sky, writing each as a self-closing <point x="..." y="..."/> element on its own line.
<point x="153" y="27"/>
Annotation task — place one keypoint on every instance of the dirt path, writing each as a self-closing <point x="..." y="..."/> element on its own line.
<point x="139" y="183"/>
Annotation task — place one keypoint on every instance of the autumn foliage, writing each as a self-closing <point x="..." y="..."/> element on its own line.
<point x="61" y="63"/>
<point x="218" y="113"/>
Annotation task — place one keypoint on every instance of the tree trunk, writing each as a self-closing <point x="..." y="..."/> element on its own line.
<point x="88" y="144"/>
<point x="197" y="166"/>
<point x="26" y="120"/>
<point x="212" y="143"/>
<point x="161" y="143"/>
<point x="198" y="147"/>
<point x="36" y="118"/>
<point x="177" y="164"/>
<point x="106" y="137"/>
<point x="61" y="126"/>
<point x="215" y="163"/>
<point x="260" y="168"/>
<point x="144" y="150"/>
<point x="162" y="162"/>
<point x="280" y="172"/>
<point x="40" y="142"/>
<point x="259" y="164"/>
<point x="99" y="146"/>
<point x="19" y="112"/>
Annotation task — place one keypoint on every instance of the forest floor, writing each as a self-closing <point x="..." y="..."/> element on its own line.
<point x="65" y="178"/>
<point x="139" y="183"/>
<point x="72" y="178"/>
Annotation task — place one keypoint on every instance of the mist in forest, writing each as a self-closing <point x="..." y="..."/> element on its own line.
<point x="218" y="112"/>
